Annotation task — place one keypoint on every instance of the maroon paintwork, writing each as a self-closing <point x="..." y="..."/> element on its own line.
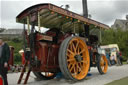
<point x="47" y="53"/>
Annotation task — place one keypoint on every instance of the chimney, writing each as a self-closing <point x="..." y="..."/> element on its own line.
<point x="85" y="8"/>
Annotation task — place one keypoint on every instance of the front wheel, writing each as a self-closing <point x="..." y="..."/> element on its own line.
<point x="102" y="64"/>
<point x="74" y="58"/>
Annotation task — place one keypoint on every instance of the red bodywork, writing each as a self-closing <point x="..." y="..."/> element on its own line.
<point x="47" y="52"/>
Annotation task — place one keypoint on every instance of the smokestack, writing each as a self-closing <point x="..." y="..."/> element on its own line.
<point x="85" y="14"/>
<point x="85" y="8"/>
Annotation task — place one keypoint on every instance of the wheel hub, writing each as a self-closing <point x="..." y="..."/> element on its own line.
<point x="78" y="58"/>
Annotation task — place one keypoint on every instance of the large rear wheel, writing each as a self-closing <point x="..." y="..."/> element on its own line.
<point x="74" y="58"/>
<point x="102" y="64"/>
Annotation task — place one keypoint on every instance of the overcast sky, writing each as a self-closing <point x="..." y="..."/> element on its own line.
<point x="105" y="11"/>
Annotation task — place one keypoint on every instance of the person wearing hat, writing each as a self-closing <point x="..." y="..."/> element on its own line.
<point x="4" y="57"/>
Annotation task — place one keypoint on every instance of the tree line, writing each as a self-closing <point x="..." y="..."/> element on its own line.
<point x="117" y="36"/>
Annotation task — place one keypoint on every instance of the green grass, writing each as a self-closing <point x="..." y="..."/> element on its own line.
<point x="19" y="63"/>
<point x="123" y="81"/>
<point x="124" y="62"/>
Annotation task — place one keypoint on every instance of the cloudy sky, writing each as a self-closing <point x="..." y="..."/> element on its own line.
<point x="105" y="11"/>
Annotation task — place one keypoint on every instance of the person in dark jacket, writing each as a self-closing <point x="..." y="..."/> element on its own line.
<point x="4" y="57"/>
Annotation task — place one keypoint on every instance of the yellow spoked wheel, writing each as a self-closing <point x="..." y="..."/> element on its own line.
<point x="102" y="64"/>
<point x="44" y="75"/>
<point x="74" y="58"/>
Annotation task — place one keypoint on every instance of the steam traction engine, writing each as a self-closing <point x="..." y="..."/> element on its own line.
<point x="66" y="47"/>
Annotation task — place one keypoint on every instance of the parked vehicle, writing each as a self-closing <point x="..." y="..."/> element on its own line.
<point x="66" y="47"/>
<point x="112" y="50"/>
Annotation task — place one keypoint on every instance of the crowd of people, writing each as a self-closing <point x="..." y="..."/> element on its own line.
<point x="114" y="59"/>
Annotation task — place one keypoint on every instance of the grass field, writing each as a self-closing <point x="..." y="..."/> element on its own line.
<point x="124" y="62"/>
<point x="123" y="81"/>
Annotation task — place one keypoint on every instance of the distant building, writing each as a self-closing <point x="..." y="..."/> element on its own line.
<point x="11" y="33"/>
<point x="121" y="24"/>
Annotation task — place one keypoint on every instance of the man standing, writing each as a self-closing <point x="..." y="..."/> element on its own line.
<point x="4" y="57"/>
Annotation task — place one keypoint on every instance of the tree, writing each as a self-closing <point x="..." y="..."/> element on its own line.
<point x="2" y="29"/>
<point x="116" y="37"/>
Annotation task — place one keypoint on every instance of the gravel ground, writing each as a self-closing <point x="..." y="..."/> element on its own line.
<point x="114" y="73"/>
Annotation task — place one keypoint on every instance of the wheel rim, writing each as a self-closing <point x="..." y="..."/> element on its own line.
<point x="77" y="58"/>
<point x="104" y="63"/>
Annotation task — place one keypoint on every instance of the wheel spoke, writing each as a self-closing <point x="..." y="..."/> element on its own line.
<point x="70" y="60"/>
<point x="69" y="65"/>
<point x="77" y="68"/>
<point x="86" y="62"/>
<point x="70" y="51"/>
<point x="74" y="70"/>
<point x="77" y="46"/>
<point x="80" y="65"/>
<point x="74" y="47"/>
<point x="78" y="50"/>
<point x="70" y="56"/>
<point x="72" y="67"/>
<point x="82" y="51"/>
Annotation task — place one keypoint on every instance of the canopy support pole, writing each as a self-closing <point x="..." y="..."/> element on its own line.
<point x="74" y="28"/>
<point x="100" y="35"/>
<point x="28" y="25"/>
<point x="39" y="21"/>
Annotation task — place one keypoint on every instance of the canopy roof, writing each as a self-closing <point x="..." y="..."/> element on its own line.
<point x="52" y="16"/>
